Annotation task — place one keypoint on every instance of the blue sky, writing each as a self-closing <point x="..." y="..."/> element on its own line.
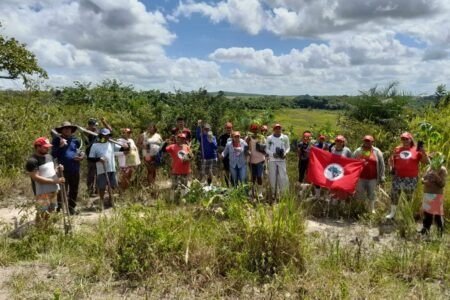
<point x="281" y="47"/>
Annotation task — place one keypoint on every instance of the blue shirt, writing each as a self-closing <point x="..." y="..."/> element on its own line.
<point x="237" y="157"/>
<point x="209" y="149"/>
<point x="66" y="154"/>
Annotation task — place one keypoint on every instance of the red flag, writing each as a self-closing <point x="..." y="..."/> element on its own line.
<point x="333" y="171"/>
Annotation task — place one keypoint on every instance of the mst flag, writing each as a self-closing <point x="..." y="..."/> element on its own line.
<point x="333" y="171"/>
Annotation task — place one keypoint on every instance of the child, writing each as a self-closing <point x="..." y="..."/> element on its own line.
<point x="181" y="156"/>
<point x="433" y="198"/>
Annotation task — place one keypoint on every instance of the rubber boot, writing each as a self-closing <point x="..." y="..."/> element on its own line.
<point x="372" y="206"/>
<point x="392" y="213"/>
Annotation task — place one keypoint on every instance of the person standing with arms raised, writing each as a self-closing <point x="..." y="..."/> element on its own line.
<point x="208" y="151"/>
<point x="66" y="149"/>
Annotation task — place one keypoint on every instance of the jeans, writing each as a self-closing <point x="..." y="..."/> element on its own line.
<point x="238" y="175"/>
<point x="366" y="189"/>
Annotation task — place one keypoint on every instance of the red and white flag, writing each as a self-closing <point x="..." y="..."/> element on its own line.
<point x="333" y="171"/>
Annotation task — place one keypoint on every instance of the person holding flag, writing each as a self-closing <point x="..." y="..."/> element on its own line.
<point x="277" y="148"/>
<point x="373" y="171"/>
<point x="404" y="165"/>
<point x="339" y="148"/>
<point x="336" y="172"/>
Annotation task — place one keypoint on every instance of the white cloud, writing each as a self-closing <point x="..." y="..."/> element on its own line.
<point x="247" y="14"/>
<point x="357" y="44"/>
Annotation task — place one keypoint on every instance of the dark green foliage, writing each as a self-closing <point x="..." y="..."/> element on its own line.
<point x="18" y="61"/>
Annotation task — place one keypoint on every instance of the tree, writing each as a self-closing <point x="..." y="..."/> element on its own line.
<point x="442" y="96"/>
<point x="17" y="61"/>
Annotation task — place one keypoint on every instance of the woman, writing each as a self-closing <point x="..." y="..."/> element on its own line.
<point x="404" y="165"/>
<point x="373" y="171"/>
<point x="433" y="194"/>
<point x="236" y="150"/>
<point x="150" y="143"/>
<point x="129" y="160"/>
<point x="339" y="148"/>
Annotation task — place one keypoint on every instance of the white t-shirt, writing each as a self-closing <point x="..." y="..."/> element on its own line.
<point x="105" y="150"/>
<point x="152" y="144"/>
<point x="274" y="142"/>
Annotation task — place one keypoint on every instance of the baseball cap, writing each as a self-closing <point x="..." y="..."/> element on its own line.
<point x="340" y="138"/>
<point x="228" y="125"/>
<point x="236" y="133"/>
<point x="126" y="130"/>
<point x="406" y="135"/>
<point x="368" y="138"/>
<point x="307" y="134"/>
<point x="277" y="125"/>
<point x="42" y="142"/>
<point x="264" y="128"/>
<point x="321" y="137"/>
<point x="254" y="126"/>
<point x="92" y="121"/>
<point x="181" y="136"/>
<point x="206" y="126"/>
<point x="105" y="131"/>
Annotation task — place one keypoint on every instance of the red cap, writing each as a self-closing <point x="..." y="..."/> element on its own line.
<point x="276" y="126"/>
<point x="228" y="125"/>
<point x="254" y="126"/>
<point x="264" y="128"/>
<point x="368" y="138"/>
<point x="406" y="135"/>
<point x="43" y="142"/>
<point x="340" y="138"/>
<point x="237" y="133"/>
<point x="181" y="136"/>
<point x="307" y="134"/>
<point x="321" y="137"/>
<point x="186" y="130"/>
<point x="126" y="130"/>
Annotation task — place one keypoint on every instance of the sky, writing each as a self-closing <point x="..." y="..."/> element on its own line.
<point x="282" y="47"/>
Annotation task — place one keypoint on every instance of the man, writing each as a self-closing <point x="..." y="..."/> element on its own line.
<point x="322" y="144"/>
<point x="44" y="181"/>
<point x="257" y="147"/>
<point x="223" y="140"/>
<point x="208" y="151"/>
<point x="66" y="149"/>
<point x="102" y="153"/>
<point x="277" y="148"/>
<point x="303" y="149"/>
<point x="373" y="171"/>
<point x="182" y="129"/>
<point x="89" y="141"/>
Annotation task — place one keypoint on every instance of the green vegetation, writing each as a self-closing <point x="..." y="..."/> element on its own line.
<point x="221" y="245"/>
<point x="17" y="61"/>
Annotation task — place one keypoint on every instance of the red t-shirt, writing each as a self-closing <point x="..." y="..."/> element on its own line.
<point x="370" y="169"/>
<point x="406" y="161"/>
<point x="179" y="167"/>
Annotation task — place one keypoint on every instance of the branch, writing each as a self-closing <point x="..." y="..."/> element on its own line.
<point x="8" y="77"/>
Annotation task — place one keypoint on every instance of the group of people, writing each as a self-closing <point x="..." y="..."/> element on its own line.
<point x="262" y="153"/>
